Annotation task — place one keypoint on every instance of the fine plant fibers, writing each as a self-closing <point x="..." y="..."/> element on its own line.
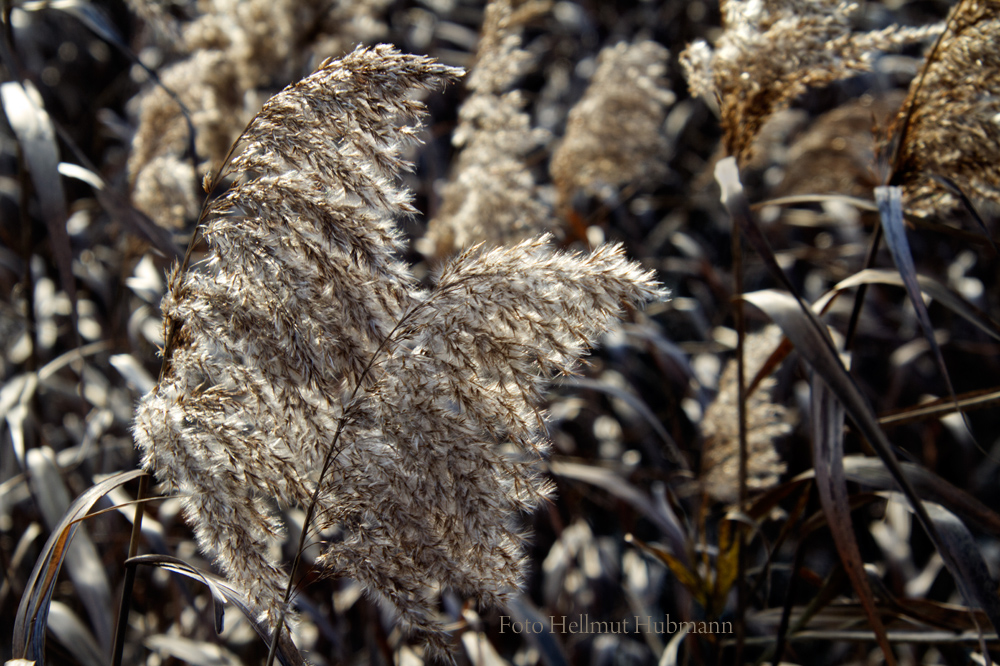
<point x="305" y="366"/>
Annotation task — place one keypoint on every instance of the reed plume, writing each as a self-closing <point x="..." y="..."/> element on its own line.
<point x="228" y="58"/>
<point x="492" y="195"/>
<point x="949" y="121"/>
<point x="614" y="135"/>
<point x="766" y="422"/>
<point x="304" y="362"/>
<point x="772" y="51"/>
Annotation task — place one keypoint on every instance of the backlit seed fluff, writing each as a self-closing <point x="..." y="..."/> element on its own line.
<point x="772" y="51"/>
<point x="300" y="331"/>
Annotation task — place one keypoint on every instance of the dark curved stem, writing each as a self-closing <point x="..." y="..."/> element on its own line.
<point x="133" y="548"/>
<point x="859" y="298"/>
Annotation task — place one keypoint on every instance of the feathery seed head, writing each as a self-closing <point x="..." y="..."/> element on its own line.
<point x="491" y="195"/>
<point x="306" y="365"/>
<point x="615" y="132"/>
<point x="772" y="51"/>
<point x="953" y="132"/>
<point x="766" y="422"/>
<point x="232" y="54"/>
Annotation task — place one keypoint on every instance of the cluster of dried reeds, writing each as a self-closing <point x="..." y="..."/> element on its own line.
<point x="931" y="154"/>
<point x="219" y="65"/>
<point x="492" y="195"/>
<point x="772" y="52"/>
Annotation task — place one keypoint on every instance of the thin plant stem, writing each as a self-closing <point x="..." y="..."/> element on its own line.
<point x="859" y="298"/>
<point x="331" y="455"/>
<point x="786" y="609"/>
<point x="741" y="393"/>
<point x="171" y="327"/>
<point x="133" y="549"/>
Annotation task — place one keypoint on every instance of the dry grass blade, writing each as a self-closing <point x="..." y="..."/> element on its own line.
<point x="480" y="651"/>
<point x="83" y="562"/>
<point x="828" y="453"/>
<point x="620" y="488"/>
<point x="927" y="285"/>
<point x="967" y="203"/>
<point x="119" y="208"/>
<point x="943" y="615"/>
<point x="762" y="506"/>
<point x="193" y="653"/>
<point x="29" y="625"/>
<point x="974" y="580"/>
<point x="16" y="417"/>
<point x="691" y="579"/>
<point x="641" y="408"/>
<point x="223" y="592"/>
<point x="74" y="635"/>
<point x="24" y="543"/>
<point x="727" y="174"/>
<point x="941" y="407"/>
<point x="33" y="129"/>
<point x="791" y="622"/>
<point x="732" y="538"/>
<point x="860" y="204"/>
<point x="814" y="346"/>
<point x="89" y="14"/>
<point x="550" y="650"/>
<point x="817" y="521"/>
<point x="671" y="654"/>
<point x="921" y="637"/>
<point x="890" y="206"/>
<point x="37" y="139"/>
<point x="872" y="473"/>
<point x="178" y="566"/>
<point x="133" y="372"/>
<point x="15" y="392"/>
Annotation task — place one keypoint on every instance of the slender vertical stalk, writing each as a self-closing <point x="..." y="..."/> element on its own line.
<point x="133" y="548"/>
<point x="741" y="402"/>
<point x="786" y="609"/>
<point x="859" y="298"/>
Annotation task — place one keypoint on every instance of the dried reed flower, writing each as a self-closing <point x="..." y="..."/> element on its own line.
<point x="164" y="179"/>
<point x="954" y="129"/>
<point x="615" y="133"/>
<point x="772" y="51"/>
<point x="301" y="339"/>
<point x="766" y="422"/>
<point x="230" y="54"/>
<point x="491" y="195"/>
<point x="836" y="152"/>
